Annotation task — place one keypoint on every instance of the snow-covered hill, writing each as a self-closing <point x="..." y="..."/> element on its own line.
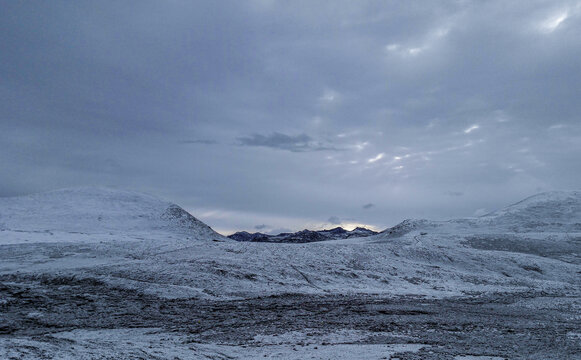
<point x="549" y="211"/>
<point x="91" y="210"/>
<point x="96" y="273"/>
<point x="136" y="240"/>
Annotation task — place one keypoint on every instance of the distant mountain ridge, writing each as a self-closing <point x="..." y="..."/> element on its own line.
<point x="105" y="210"/>
<point x="303" y="236"/>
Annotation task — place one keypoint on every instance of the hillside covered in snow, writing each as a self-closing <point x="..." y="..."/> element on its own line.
<point x="168" y="248"/>
<point x="118" y="243"/>
<point x="93" y="210"/>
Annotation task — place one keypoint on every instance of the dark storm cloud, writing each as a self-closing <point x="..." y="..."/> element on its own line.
<point x="391" y="102"/>
<point x="294" y="143"/>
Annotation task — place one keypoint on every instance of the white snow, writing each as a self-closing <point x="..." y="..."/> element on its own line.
<point x="154" y="343"/>
<point x="90" y="210"/>
<point x="127" y="238"/>
<point x="136" y="241"/>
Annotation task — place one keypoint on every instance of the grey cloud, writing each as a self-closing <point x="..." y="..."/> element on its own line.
<point x="199" y="141"/>
<point x="98" y="93"/>
<point x="368" y="206"/>
<point x="334" y="220"/>
<point x="276" y="140"/>
<point x="260" y="227"/>
<point x="279" y="231"/>
<point x="455" y="193"/>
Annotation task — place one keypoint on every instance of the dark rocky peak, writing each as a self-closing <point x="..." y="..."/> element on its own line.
<point x="303" y="236"/>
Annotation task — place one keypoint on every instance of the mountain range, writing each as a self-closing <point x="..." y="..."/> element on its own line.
<point x="303" y="236"/>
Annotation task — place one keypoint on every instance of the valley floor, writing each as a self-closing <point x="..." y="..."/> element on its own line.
<point x="47" y="317"/>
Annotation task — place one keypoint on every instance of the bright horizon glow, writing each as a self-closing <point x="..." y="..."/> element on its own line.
<point x="277" y="224"/>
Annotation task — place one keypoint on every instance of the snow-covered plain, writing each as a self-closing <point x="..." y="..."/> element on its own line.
<point x="86" y="239"/>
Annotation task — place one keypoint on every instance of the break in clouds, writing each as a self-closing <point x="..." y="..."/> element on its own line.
<point x="266" y="112"/>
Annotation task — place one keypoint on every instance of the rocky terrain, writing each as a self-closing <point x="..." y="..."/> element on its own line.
<point x="303" y="236"/>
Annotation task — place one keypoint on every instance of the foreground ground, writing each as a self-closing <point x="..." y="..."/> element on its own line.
<point x="46" y="317"/>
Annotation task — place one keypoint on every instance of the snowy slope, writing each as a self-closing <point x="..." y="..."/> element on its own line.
<point x="555" y="211"/>
<point x="91" y="210"/>
<point x="134" y="240"/>
<point x="549" y="211"/>
<point x="99" y="273"/>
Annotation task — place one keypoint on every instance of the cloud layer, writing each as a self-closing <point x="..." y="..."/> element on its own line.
<point x="283" y="112"/>
<point x="294" y="143"/>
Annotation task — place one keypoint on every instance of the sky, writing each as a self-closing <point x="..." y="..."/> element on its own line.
<point x="271" y="116"/>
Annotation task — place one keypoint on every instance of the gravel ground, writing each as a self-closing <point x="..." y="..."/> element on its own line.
<point x="531" y="325"/>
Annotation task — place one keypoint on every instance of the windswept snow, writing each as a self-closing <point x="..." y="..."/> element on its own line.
<point x="113" y="245"/>
<point x="137" y="344"/>
<point x="92" y="210"/>
<point x="558" y="211"/>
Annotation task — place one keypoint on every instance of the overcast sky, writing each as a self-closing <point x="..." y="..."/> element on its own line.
<point x="276" y="115"/>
